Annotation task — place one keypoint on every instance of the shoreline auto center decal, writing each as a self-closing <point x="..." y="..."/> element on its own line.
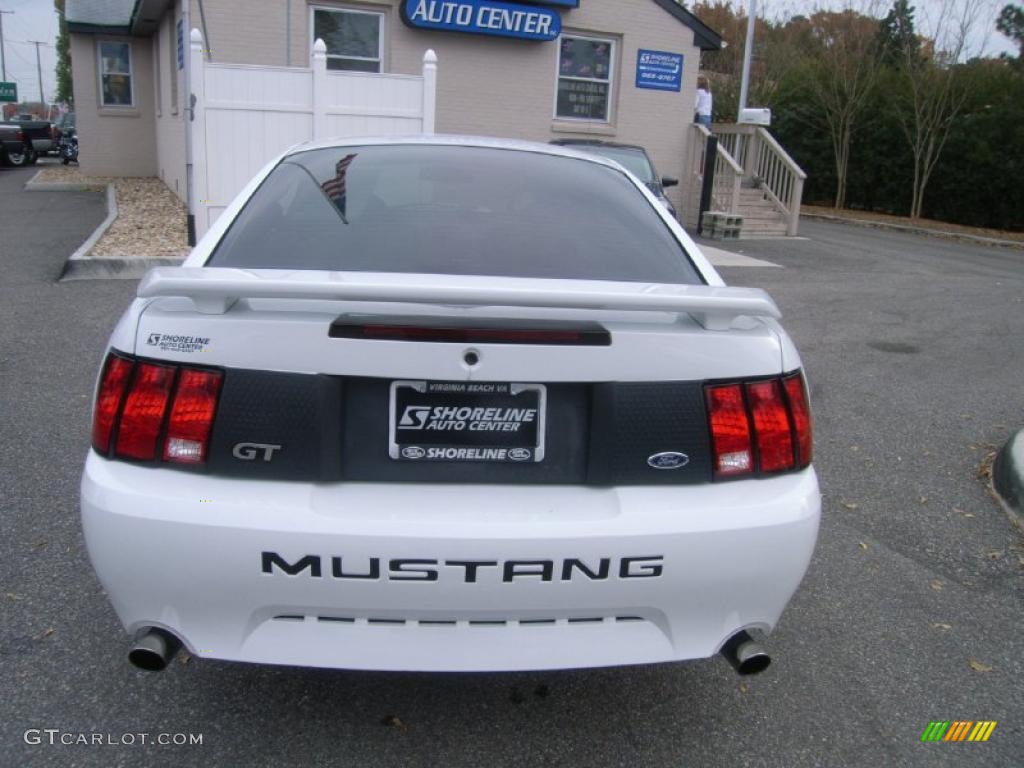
<point x="174" y="342"/>
<point x="660" y="70"/>
<point x="467" y="421"/>
<point x="487" y="17"/>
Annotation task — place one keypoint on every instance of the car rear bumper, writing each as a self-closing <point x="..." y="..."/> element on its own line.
<point x="687" y="567"/>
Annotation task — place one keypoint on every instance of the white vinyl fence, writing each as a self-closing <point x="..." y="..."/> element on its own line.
<point x="245" y="115"/>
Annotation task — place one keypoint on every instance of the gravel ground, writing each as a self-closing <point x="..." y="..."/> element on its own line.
<point x="150" y="218"/>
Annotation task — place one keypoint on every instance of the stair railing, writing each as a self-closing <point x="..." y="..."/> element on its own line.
<point x="765" y="161"/>
<point x="725" y="191"/>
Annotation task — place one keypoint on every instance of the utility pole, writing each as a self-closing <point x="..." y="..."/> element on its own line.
<point x="3" y="59"/>
<point x="748" y="49"/>
<point x="39" y="68"/>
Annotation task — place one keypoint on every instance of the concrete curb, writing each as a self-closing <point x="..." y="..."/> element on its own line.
<point x="916" y="230"/>
<point x="81" y="254"/>
<point x="60" y="186"/>
<point x="126" y="268"/>
<point x="1008" y="477"/>
<point x="81" y="266"/>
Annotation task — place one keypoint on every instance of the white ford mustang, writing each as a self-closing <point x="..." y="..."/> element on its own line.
<point x="448" y="404"/>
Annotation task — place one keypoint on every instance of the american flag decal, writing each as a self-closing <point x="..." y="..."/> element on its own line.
<point x="334" y="187"/>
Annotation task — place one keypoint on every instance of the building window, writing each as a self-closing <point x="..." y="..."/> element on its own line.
<point x="116" y="74"/>
<point x="584" y="78"/>
<point x="353" y="38"/>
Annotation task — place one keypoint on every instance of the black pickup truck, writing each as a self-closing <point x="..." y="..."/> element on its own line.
<point x="15" y="146"/>
<point x="40" y="135"/>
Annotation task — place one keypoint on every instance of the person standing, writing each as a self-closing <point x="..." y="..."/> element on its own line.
<point x="702" y="110"/>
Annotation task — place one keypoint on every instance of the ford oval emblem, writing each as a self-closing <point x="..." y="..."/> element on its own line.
<point x="413" y="452"/>
<point x="520" y="454"/>
<point x="668" y="460"/>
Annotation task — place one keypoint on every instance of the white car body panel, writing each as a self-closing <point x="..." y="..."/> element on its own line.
<point x="182" y="550"/>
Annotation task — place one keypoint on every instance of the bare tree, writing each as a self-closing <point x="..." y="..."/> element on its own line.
<point x="935" y="93"/>
<point x="844" y="62"/>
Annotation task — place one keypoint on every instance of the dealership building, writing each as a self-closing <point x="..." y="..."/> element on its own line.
<point x="614" y="70"/>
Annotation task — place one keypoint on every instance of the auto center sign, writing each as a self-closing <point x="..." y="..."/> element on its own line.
<point x="659" y="70"/>
<point x="487" y="17"/>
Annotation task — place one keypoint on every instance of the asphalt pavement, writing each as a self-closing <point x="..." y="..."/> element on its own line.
<point x="911" y="612"/>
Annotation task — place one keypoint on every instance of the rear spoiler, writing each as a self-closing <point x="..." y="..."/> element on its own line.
<point x="213" y="290"/>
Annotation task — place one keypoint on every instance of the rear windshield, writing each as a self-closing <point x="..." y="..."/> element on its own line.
<point x="453" y="210"/>
<point x="633" y="160"/>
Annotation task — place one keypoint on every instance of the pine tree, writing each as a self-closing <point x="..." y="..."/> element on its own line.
<point x="65" y="93"/>
<point x="1011" y="24"/>
<point x="896" y="36"/>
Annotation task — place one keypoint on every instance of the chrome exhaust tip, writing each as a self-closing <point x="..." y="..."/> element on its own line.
<point x="153" y="649"/>
<point x="746" y="656"/>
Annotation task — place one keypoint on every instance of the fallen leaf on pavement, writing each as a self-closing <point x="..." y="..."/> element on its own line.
<point x="863" y="546"/>
<point x="392" y="721"/>
<point x="850" y="505"/>
<point x="13" y="596"/>
<point x="977" y="666"/>
<point x="46" y="634"/>
<point x="936" y="585"/>
<point x="943" y="627"/>
<point x="923" y="499"/>
<point x="995" y="554"/>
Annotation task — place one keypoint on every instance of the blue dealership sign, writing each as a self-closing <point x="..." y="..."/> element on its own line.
<point x="483" y="17"/>
<point x="659" y="70"/>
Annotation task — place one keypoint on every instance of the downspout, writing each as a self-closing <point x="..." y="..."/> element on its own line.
<point x="288" y="34"/>
<point x="206" y="35"/>
<point x="190" y="201"/>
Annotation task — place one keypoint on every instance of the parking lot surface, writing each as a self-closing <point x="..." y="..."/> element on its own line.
<point x="911" y="611"/>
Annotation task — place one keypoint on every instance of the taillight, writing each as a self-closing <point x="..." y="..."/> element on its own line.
<point x="144" y="410"/>
<point x="761" y="426"/>
<point x="148" y="411"/>
<point x="195" y="401"/>
<point x="730" y="431"/>
<point x="771" y="425"/>
<point x="115" y="375"/>
<point x="796" y="391"/>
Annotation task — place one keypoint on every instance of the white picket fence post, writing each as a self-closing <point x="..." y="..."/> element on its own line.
<point x="429" y="90"/>
<point x="197" y="125"/>
<point x="319" y="65"/>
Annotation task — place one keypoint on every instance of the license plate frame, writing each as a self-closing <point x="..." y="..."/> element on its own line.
<point x="418" y="399"/>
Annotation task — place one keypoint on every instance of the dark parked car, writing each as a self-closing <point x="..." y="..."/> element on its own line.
<point x="65" y="123"/>
<point x="631" y="157"/>
<point x="15" y="148"/>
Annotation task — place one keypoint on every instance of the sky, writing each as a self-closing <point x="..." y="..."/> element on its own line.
<point x="37" y="20"/>
<point x="31" y="20"/>
<point x="984" y="39"/>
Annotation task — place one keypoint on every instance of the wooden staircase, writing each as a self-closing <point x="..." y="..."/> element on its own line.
<point x="754" y="178"/>
<point x="761" y="218"/>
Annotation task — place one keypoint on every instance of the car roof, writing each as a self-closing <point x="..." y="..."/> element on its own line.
<point x="594" y="143"/>
<point x="445" y="140"/>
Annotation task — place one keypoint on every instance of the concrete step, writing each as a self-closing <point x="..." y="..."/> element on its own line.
<point x="751" y="233"/>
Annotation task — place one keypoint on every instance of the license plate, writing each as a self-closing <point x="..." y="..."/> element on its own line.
<point x="467" y="421"/>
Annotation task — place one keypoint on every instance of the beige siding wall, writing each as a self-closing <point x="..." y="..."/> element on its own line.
<point x="114" y="141"/>
<point x="170" y="111"/>
<point x="497" y="86"/>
